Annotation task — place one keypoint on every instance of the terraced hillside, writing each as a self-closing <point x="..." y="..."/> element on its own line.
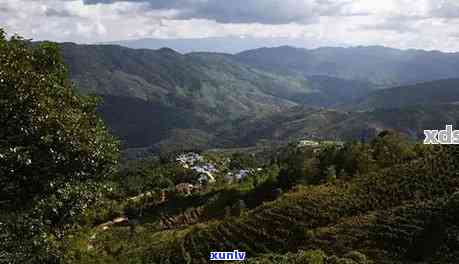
<point x="382" y="216"/>
<point x="416" y="195"/>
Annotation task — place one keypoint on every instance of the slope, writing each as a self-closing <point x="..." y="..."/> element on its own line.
<point x="332" y="124"/>
<point x="196" y="81"/>
<point x="436" y="92"/>
<point x="385" y="67"/>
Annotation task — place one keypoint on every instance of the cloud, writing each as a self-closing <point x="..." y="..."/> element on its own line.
<point x="52" y="12"/>
<point x="397" y="23"/>
<point x="249" y="11"/>
<point x="445" y="9"/>
<point x="424" y="24"/>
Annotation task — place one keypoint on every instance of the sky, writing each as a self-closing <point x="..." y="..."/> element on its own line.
<point x="418" y="24"/>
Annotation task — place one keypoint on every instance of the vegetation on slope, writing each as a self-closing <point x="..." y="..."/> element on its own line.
<point x="203" y="82"/>
<point x="422" y="94"/>
<point x="55" y="153"/>
<point x="367" y="203"/>
<point x="385" y="67"/>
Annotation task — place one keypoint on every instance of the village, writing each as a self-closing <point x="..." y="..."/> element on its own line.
<point x="206" y="173"/>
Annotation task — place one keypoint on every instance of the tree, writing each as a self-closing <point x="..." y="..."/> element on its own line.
<point x="49" y="134"/>
<point x="389" y="149"/>
<point x="354" y="158"/>
<point x="240" y="161"/>
<point x="55" y="153"/>
<point x="298" y="165"/>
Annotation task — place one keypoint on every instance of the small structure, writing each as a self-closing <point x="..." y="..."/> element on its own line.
<point x="308" y="143"/>
<point x="197" y="163"/>
<point x="241" y="174"/>
<point x="141" y="196"/>
<point x="237" y="176"/>
<point x="206" y="178"/>
<point x="185" y="188"/>
<point x="119" y="221"/>
<point x="189" y="159"/>
<point x="229" y="177"/>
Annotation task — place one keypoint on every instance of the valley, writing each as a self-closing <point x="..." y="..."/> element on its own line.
<point x="220" y="100"/>
<point x="287" y="155"/>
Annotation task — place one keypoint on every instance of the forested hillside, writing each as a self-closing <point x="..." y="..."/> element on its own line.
<point x="357" y="203"/>
<point x="212" y="85"/>
<point x="332" y="124"/>
<point x="385" y="67"/>
<point x="219" y="100"/>
<point x="421" y="94"/>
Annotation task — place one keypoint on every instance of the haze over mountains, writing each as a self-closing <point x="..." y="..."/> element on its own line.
<point x="231" y="44"/>
<point x="154" y="97"/>
<point x="382" y="66"/>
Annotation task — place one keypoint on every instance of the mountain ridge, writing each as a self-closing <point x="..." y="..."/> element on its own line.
<point x="214" y="97"/>
<point x="383" y="66"/>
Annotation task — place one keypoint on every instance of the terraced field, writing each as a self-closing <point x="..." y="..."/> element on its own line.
<point x="392" y="216"/>
<point x="334" y="218"/>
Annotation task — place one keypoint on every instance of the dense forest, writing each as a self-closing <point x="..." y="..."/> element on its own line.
<point x="66" y="196"/>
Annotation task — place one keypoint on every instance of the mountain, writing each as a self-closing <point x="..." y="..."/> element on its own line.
<point x="331" y="124"/>
<point x="139" y="123"/>
<point x="149" y="93"/>
<point x="209" y="83"/>
<point x="436" y="92"/>
<point x="156" y="98"/>
<point x="385" y="67"/>
<point x="334" y="92"/>
<point x="231" y="45"/>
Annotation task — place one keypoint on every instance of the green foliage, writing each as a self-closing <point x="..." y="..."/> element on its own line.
<point x="354" y="159"/>
<point x="51" y="135"/>
<point x="309" y="257"/>
<point x="298" y="165"/>
<point x="390" y="149"/>
<point x="240" y="161"/>
<point x="54" y="153"/>
<point x="140" y="176"/>
<point x="340" y="217"/>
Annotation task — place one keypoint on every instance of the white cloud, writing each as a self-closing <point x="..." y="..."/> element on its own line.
<point x="426" y="24"/>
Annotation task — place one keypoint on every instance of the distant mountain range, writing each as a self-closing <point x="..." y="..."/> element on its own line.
<point x="162" y="97"/>
<point x="231" y="45"/>
<point x="385" y="67"/>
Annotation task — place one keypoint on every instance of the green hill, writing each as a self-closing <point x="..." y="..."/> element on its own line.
<point x="160" y="97"/>
<point x="385" y="67"/>
<point x="319" y="123"/>
<point x="436" y="92"/>
<point x="200" y="91"/>
<point x="209" y="81"/>
<point x="383" y="214"/>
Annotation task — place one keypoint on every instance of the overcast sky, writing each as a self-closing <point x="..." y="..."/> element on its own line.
<point x="423" y="24"/>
